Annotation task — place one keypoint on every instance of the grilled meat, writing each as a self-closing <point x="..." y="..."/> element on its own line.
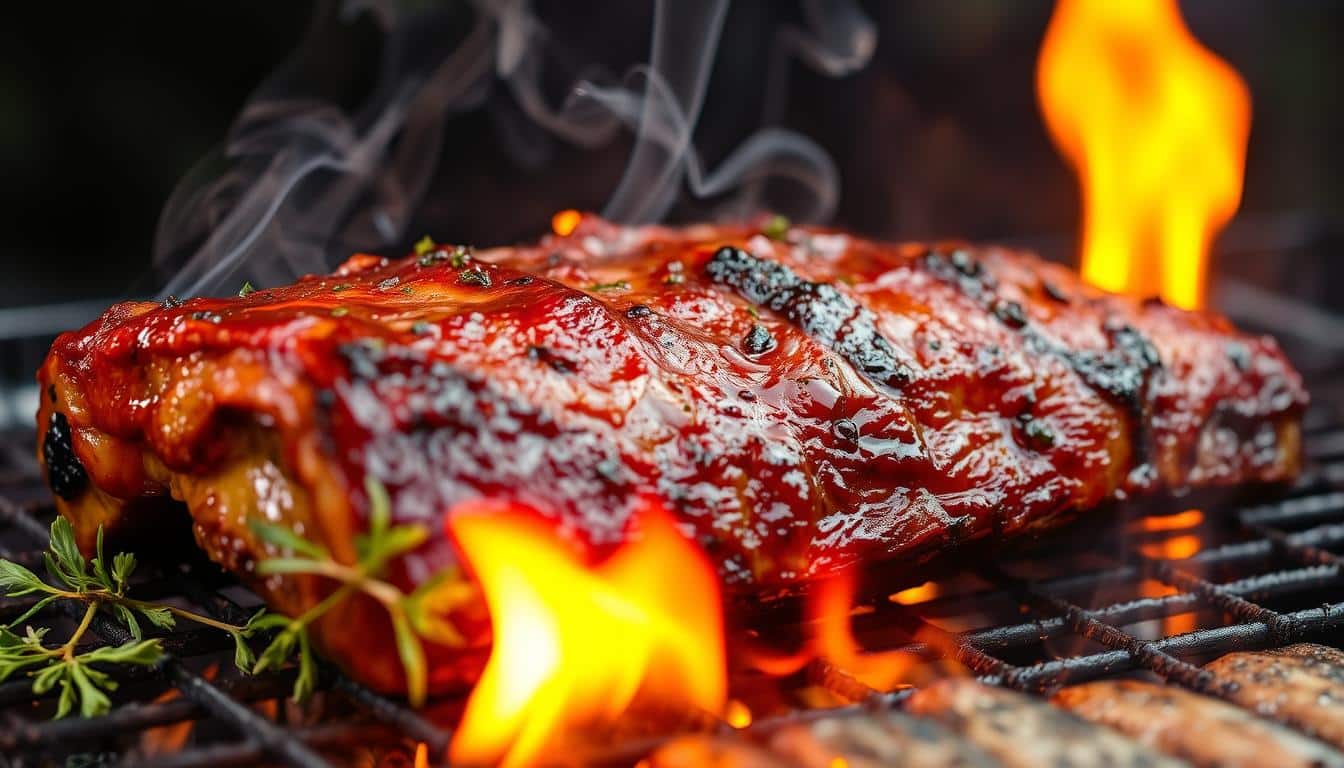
<point x="1302" y="685"/>
<point x="876" y="740"/>
<point x="801" y="404"/>
<point x="1201" y="730"/>
<point x="868" y="740"/>
<point x="1023" y="732"/>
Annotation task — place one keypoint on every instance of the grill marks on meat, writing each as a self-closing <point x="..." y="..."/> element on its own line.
<point x="1023" y="732"/>
<point x="1302" y="685"/>
<point x="1202" y="730"/>
<point x="799" y="406"/>
<point x="831" y="318"/>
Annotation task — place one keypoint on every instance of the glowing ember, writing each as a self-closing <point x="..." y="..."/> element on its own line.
<point x="566" y="221"/>
<point x="1156" y="126"/>
<point x="916" y="595"/>
<point x="1175" y="548"/>
<point x="574" y="644"/>
<point x="737" y="714"/>
<point x="1190" y="518"/>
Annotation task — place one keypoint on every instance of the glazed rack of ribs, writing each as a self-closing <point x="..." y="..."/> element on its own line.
<point x="1171" y="603"/>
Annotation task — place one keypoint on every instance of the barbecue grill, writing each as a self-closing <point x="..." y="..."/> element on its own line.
<point x="1149" y="591"/>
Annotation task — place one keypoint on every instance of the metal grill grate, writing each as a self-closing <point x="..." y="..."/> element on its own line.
<point x="1143" y="594"/>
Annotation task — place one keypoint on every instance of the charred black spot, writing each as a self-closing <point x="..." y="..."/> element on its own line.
<point x="758" y="340"/>
<point x="1239" y="355"/>
<point x="845" y="430"/>
<point x="544" y="355"/>
<point x="65" y="473"/>
<point x="1124" y="370"/>
<point x="962" y="270"/>
<point x="821" y="310"/>
<point x="524" y="280"/>
<point x="1054" y="292"/>
<point x="51" y="392"/>
<point x="638" y="312"/>
<point x="1011" y="314"/>
<point x="966" y="264"/>
<point x="172" y="302"/>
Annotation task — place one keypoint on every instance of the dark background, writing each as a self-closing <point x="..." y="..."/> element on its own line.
<point x="103" y="107"/>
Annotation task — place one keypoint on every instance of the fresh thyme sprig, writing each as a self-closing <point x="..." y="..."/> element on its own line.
<point x="413" y="616"/>
<point x="99" y="587"/>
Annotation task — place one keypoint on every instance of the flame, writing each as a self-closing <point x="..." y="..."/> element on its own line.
<point x="1174" y="548"/>
<point x="834" y="639"/>
<point x="574" y="643"/>
<point x="1190" y="518"/>
<point x="565" y="222"/>
<point x="737" y="714"/>
<point x="1156" y="126"/>
<point x="916" y="595"/>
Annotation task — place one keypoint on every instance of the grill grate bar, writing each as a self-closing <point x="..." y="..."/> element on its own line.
<point x="1287" y="556"/>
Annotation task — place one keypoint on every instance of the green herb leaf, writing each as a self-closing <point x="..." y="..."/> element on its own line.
<point x="92" y="701"/>
<point x="619" y="285"/>
<point x="143" y="653"/>
<point x="412" y="655"/>
<point x="285" y="538"/>
<point x="158" y="616"/>
<point x="306" y="681"/>
<point x="424" y="245"/>
<point x="32" y="610"/>
<point x="99" y="568"/>
<point x="777" y="228"/>
<point x="123" y="563"/>
<point x="63" y="558"/>
<point x="126" y="617"/>
<point x="380" y="506"/>
<point x="291" y="565"/>
<point x="16" y="581"/>
<point x="246" y="290"/>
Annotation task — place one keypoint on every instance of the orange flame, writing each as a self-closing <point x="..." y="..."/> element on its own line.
<point x="1156" y="127"/>
<point x="574" y="644"/>
<point x="834" y="639"/>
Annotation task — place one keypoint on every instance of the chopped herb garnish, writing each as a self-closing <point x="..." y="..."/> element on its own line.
<point x="424" y="245"/>
<point x="776" y="228"/>
<point x="407" y="290"/>
<point x="337" y="288"/>
<point x="340" y="312"/>
<point x="460" y="257"/>
<point x="753" y="311"/>
<point x="619" y="285"/>
<point x="676" y="278"/>
<point x="246" y="290"/>
<point x="474" y="277"/>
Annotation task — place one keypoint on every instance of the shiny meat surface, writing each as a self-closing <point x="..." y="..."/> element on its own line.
<point x="800" y="404"/>
<point x="1201" y="730"/>
<point x="1023" y="732"/>
<point x="1302" y="685"/>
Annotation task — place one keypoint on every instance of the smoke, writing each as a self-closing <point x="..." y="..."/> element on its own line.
<point x="300" y="181"/>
